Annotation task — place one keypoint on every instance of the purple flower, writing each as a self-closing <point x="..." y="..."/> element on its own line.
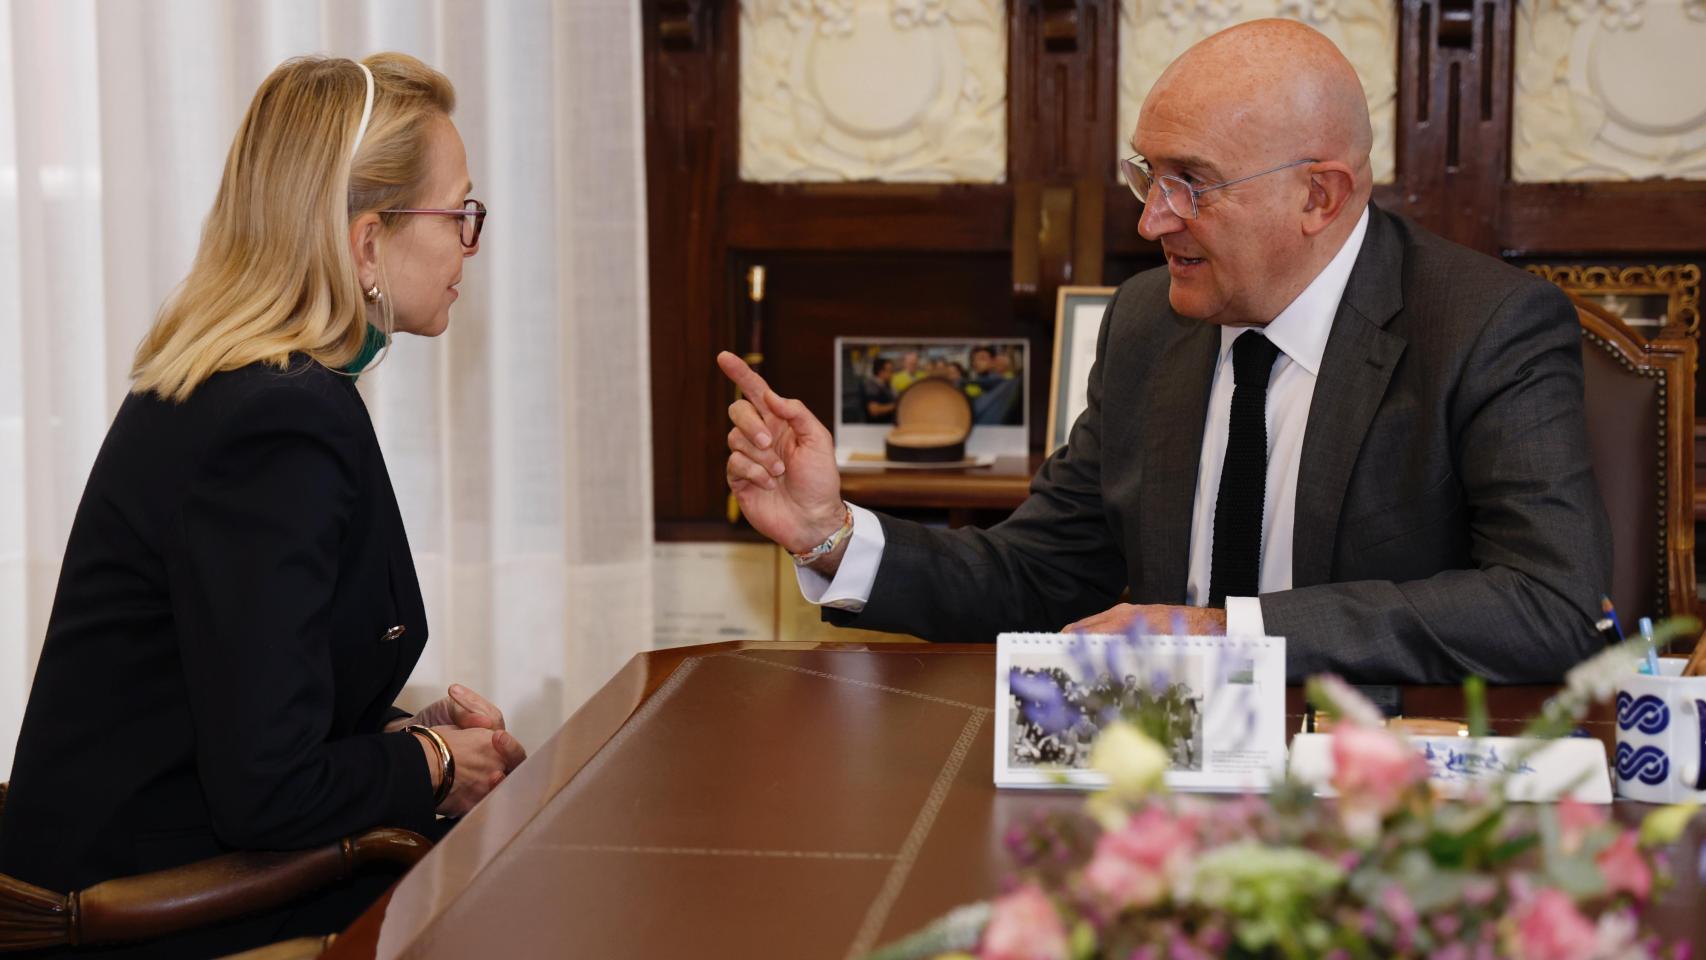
<point x="1042" y="702"/>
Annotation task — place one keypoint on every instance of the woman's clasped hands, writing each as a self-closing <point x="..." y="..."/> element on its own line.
<point x="484" y="751"/>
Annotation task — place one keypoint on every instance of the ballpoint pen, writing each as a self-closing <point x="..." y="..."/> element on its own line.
<point x="1609" y="624"/>
<point x="1651" y="664"/>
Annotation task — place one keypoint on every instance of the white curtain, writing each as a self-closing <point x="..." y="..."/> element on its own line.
<point x="519" y="443"/>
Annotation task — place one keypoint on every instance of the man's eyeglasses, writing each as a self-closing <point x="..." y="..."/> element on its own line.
<point x="472" y="214"/>
<point x="1180" y="196"/>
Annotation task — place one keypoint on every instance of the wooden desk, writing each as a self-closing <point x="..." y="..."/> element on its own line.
<point x="761" y="800"/>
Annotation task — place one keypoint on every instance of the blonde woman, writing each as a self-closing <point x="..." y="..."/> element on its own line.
<point x="238" y="607"/>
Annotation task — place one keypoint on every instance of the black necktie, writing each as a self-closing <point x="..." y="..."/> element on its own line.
<point x="1237" y="563"/>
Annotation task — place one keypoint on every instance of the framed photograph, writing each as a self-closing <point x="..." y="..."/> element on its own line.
<point x="871" y="374"/>
<point x="1220" y="701"/>
<point x="1650" y="299"/>
<point x="1077" y="322"/>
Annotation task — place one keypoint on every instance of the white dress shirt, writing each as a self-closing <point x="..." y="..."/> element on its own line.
<point x="1300" y="331"/>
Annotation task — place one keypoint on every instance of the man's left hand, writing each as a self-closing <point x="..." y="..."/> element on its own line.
<point x="1153" y="618"/>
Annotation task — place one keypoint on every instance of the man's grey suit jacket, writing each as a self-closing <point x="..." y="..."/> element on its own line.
<point x="1447" y="518"/>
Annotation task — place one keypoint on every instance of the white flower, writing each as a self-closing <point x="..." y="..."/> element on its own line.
<point x="1134" y="764"/>
<point x="1617" y="938"/>
<point x="1598" y="677"/>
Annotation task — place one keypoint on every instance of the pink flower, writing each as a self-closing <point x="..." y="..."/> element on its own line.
<point x="1447" y="925"/>
<point x="1372" y="769"/>
<point x="1623" y="867"/>
<point x="1024" y="926"/>
<point x="1395" y="903"/>
<point x="1133" y="866"/>
<point x="1399" y="909"/>
<point x="1575" y="821"/>
<point x="1549" y="927"/>
<point x="1479" y="891"/>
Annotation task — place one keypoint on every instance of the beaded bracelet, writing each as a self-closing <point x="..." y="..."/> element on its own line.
<point x="828" y="546"/>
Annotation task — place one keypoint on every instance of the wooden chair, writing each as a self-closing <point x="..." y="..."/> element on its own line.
<point x="1640" y="418"/>
<point x="194" y="895"/>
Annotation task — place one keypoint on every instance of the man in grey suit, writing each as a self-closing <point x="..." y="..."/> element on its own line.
<point x="1318" y="421"/>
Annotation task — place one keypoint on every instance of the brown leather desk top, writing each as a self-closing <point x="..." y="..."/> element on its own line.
<point x="760" y="800"/>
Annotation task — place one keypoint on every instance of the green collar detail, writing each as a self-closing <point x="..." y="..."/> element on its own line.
<point x="371" y="343"/>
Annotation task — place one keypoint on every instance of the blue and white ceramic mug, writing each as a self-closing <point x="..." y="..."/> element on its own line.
<point x="1661" y="736"/>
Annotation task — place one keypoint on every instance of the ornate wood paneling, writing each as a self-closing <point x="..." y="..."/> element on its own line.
<point x="1153" y="34"/>
<point x="689" y="58"/>
<point x="1609" y="90"/>
<point x="886" y="90"/>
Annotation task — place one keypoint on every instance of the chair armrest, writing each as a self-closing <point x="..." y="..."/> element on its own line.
<point x="302" y="948"/>
<point x="194" y="895"/>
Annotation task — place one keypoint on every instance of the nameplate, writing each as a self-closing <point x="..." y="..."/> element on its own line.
<point x="1221" y="699"/>
<point x="1543" y="771"/>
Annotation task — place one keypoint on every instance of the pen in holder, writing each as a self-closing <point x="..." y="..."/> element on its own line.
<point x="1660" y="735"/>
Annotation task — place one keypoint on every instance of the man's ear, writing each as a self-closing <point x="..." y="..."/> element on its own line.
<point x="1331" y="184"/>
<point x="364" y="248"/>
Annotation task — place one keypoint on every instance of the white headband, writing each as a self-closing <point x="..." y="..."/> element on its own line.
<point x="366" y="110"/>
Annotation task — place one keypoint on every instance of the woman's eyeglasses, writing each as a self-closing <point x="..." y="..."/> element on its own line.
<point x="472" y="214"/>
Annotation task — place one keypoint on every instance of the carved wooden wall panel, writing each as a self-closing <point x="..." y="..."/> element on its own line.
<point x="1609" y="90"/>
<point x="889" y="90"/>
<point x="1152" y="34"/>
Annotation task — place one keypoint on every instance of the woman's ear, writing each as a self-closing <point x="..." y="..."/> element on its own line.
<point x="364" y="248"/>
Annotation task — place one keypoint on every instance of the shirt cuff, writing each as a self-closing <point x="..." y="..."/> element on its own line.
<point x="1244" y="617"/>
<point x="851" y="587"/>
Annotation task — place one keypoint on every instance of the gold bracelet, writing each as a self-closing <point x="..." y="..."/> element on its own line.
<point x="446" y="761"/>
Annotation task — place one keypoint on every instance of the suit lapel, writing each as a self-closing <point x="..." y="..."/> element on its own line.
<point x="1355" y="370"/>
<point x="1173" y="415"/>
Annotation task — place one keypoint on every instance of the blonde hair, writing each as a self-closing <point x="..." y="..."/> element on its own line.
<point x="273" y="274"/>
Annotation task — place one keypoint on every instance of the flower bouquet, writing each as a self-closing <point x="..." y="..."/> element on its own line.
<point x="1388" y="869"/>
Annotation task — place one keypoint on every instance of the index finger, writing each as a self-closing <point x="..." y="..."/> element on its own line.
<point x="746" y="378"/>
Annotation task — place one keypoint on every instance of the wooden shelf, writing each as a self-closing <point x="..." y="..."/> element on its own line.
<point x="1002" y="486"/>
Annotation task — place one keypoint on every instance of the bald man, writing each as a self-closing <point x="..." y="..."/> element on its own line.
<point x="1319" y="421"/>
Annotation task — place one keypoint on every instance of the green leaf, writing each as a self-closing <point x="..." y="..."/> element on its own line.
<point x="1511" y="849"/>
<point x="1467" y="847"/>
<point x="1082" y="944"/>
<point x="1475" y="701"/>
<point x="1577" y="876"/>
<point x="957" y="930"/>
<point x="1664" y="825"/>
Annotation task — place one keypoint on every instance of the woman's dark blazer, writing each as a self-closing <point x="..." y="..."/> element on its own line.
<point x="224" y="646"/>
